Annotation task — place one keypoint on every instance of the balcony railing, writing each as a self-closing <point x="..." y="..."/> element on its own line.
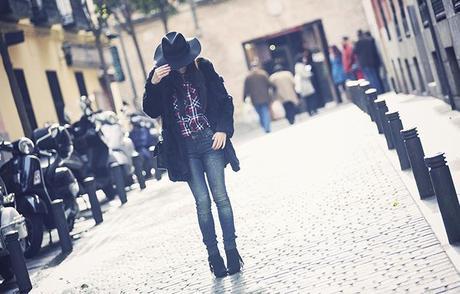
<point x="456" y="5"/>
<point x="438" y="9"/>
<point x="45" y="13"/>
<point x="14" y="10"/>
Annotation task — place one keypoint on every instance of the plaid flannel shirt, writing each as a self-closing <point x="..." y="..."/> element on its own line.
<point x="193" y="119"/>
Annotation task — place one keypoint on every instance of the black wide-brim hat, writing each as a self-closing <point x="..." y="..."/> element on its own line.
<point x="177" y="51"/>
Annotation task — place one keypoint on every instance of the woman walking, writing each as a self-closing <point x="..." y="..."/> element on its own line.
<point x="283" y="82"/>
<point x="197" y="114"/>
<point x="303" y="84"/>
<point x="338" y="73"/>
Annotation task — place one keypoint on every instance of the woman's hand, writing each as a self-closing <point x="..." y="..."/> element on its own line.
<point x="160" y="73"/>
<point x="219" y="140"/>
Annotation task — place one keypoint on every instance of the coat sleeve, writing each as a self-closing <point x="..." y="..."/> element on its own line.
<point x="226" y="108"/>
<point x="151" y="101"/>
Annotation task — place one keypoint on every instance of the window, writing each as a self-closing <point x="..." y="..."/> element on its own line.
<point x="81" y="83"/>
<point x="419" y="75"/>
<point x="403" y="76"/>
<point x="456" y="5"/>
<point x="398" y="81"/>
<point x="21" y="79"/>
<point x="424" y="14"/>
<point x="395" y="20"/>
<point x="404" y="18"/>
<point x="409" y="73"/>
<point x="384" y="18"/>
<point x="56" y="93"/>
<point x="438" y="9"/>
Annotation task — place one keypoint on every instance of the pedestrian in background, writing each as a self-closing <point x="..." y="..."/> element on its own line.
<point x="369" y="60"/>
<point x="257" y="86"/>
<point x="284" y="85"/>
<point x="348" y="59"/>
<point x="303" y="84"/>
<point x="338" y="74"/>
<point x="197" y="114"/>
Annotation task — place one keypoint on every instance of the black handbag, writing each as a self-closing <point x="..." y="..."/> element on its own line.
<point x="160" y="155"/>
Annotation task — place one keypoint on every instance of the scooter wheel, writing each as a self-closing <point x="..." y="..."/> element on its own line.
<point x="34" y="224"/>
<point x="109" y="192"/>
<point x="5" y="268"/>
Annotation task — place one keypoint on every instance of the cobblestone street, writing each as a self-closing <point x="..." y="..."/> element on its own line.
<point x="318" y="208"/>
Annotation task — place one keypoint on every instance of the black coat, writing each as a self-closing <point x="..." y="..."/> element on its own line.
<point x="157" y="101"/>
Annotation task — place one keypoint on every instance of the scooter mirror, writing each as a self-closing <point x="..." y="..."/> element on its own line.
<point x="54" y="130"/>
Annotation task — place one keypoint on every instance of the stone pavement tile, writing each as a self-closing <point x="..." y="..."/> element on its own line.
<point x="318" y="208"/>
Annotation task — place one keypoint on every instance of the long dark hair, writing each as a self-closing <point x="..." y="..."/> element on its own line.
<point x="336" y="50"/>
<point x="192" y="74"/>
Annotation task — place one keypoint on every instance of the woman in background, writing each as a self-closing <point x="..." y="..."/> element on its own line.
<point x="338" y="73"/>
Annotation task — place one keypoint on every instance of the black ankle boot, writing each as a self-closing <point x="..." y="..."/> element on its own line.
<point x="234" y="261"/>
<point x="217" y="266"/>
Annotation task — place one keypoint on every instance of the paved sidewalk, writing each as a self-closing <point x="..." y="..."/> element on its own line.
<point x="439" y="131"/>
<point x="318" y="207"/>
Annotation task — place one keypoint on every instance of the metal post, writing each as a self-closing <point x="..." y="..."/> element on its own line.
<point x="371" y="96"/>
<point x="61" y="225"/>
<point x="445" y="195"/>
<point x="118" y="179"/>
<point x="139" y="171"/>
<point x="90" y="188"/>
<point x="18" y="262"/>
<point x="416" y="157"/>
<point x="381" y="107"/>
<point x="396" y="127"/>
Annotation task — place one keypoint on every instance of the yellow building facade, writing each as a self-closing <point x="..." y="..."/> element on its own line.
<point x="39" y="57"/>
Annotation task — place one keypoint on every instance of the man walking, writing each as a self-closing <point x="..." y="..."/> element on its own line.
<point x="348" y="59"/>
<point x="257" y="87"/>
<point x="284" y="84"/>
<point x="369" y="59"/>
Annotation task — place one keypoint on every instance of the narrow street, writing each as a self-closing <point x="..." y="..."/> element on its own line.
<point x="318" y="207"/>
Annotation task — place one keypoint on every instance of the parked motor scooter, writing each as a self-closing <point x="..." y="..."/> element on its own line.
<point x="120" y="145"/>
<point x="10" y="220"/>
<point x="53" y="146"/>
<point x="91" y="156"/>
<point x="24" y="177"/>
<point x="145" y="136"/>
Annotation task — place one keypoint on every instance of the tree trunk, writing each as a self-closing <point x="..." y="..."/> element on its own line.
<point x="164" y="16"/>
<point x="136" y="45"/>
<point x="105" y="76"/>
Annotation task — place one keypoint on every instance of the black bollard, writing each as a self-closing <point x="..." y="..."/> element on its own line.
<point x="90" y="188"/>
<point x="396" y="127"/>
<point x="371" y="96"/>
<point x="61" y="225"/>
<point x="18" y="262"/>
<point x="352" y="91"/>
<point x="139" y="170"/>
<point x="381" y="107"/>
<point x="363" y="86"/>
<point x="445" y="195"/>
<point x="416" y="157"/>
<point x="118" y="178"/>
